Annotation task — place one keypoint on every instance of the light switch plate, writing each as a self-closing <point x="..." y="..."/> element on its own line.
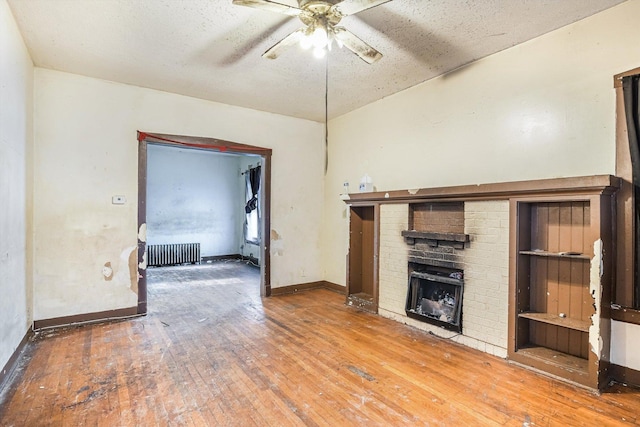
<point x="118" y="200"/>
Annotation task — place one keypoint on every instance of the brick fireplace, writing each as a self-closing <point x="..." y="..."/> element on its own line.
<point x="484" y="258"/>
<point x="529" y="261"/>
<point x="434" y="295"/>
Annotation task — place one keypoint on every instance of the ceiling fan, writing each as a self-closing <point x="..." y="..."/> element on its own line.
<point x="321" y="19"/>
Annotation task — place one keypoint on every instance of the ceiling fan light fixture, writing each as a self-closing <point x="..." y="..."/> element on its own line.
<point x="319" y="52"/>
<point x="319" y="37"/>
<point x="320" y="19"/>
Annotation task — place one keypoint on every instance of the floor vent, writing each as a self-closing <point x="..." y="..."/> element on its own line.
<point x="173" y="254"/>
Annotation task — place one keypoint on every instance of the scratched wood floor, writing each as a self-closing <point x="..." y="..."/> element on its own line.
<point x="212" y="353"/>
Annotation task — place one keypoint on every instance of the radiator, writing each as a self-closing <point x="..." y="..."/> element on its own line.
<point x="173" y="254"/>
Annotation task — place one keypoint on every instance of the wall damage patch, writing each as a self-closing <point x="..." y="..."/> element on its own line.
<point x="133" y="269"/>
<point x="107" y="271"/>
<point x="142" y="265"/>
<point x="277" y="245"/>
<point x="595" y="290"/>
<point x="125" y="273"/>
<point x="142" y="232"/>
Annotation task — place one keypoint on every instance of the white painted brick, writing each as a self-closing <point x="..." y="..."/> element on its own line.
<point x="486" y="266"/>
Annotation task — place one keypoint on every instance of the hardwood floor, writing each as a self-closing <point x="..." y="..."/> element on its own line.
<point x="211" y="352"/>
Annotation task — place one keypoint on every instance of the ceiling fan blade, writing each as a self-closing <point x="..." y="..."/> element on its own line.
<point x="269" y="5"/>
<point x="356" y="45"/>
<point x="274" y="51"/>
<point x="349" y="7"/>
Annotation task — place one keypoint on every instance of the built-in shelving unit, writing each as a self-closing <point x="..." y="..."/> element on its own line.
<point x="362" y="276"/>
<point x="556" y="299"/>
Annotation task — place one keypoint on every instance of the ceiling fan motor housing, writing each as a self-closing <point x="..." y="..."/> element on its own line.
<point x="304" y="3"/>
<point x="319" y="13"/>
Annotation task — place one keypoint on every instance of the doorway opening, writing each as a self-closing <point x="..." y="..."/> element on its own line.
<point x="250" y="160"/>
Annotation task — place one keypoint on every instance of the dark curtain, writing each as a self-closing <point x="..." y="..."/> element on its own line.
<point x="254" y="180"/>
<point x="631" y="91"/>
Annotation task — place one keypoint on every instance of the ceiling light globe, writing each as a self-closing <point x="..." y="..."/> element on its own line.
<point x="319" y="37"/>
<point x="305" y="42"/>
<point x="319" y="52"/>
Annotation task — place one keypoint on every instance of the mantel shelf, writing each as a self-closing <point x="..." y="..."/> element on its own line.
<point x="457" y="240"/>
<point x="583" y="185"/>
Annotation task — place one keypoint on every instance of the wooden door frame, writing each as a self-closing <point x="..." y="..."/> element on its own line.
<point x="202" y="143"/>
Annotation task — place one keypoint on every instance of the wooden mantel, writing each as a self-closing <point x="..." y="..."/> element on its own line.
<point x="605" y="184"/>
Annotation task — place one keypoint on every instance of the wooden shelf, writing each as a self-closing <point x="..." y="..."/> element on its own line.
<point x="363" y="296"/>
<point x="363" y="301"/>
<point x="555" y="358"/>
<point x="554" y="319"/>
<point x="573" y="255"/>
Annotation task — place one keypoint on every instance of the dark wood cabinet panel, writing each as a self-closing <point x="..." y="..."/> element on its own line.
<point x="362" y="274"/>
<point x="551" y="294"/>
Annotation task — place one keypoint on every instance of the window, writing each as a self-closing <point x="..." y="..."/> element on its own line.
<point x="252" y="206"/>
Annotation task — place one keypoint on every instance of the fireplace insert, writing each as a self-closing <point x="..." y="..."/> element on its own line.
<point x="435" y="296"/>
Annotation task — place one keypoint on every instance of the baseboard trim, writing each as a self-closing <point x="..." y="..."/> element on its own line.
<point x="623" y="374"/>
<point x="234" y="257"/>
<point x="321" y="284"/>
<point x="204" y="259"/>
<point x="100" y="316"/>
<point x="11" y="364"/>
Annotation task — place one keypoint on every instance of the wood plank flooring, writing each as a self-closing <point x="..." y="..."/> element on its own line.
<point x="211" y="352"/>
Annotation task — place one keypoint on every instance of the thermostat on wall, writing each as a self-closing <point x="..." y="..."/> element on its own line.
<point x="118" y="200"/>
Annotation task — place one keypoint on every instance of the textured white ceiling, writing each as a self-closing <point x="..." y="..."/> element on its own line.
<point x="212" y="49"/>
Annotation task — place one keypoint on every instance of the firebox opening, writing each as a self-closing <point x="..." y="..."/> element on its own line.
<point x="434" y="295"/>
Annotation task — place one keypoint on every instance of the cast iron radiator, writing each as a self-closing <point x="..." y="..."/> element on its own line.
<point x="173" y="254"/>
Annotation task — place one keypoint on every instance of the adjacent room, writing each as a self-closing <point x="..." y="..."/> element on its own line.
<point x="319" y="212"/>
<point x="202" y="207"/>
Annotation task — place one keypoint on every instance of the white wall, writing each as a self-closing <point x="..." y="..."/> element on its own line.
<point x="625" y="345"/>
<point x="193" y="197"/>
<point x="86" y="152"/>
<point x="16" y="139"/>
<point x="542" y="109"/>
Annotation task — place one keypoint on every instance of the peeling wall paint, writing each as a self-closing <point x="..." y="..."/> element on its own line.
<point x="595" y="289"/>
<point x="107" y="271"/>
<point x="126" y="273"/>
<point x="143" y="264"/>
<point x="133" y="268"/>
<point x="142" y="233"/>
<point x="277" y="244"/>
